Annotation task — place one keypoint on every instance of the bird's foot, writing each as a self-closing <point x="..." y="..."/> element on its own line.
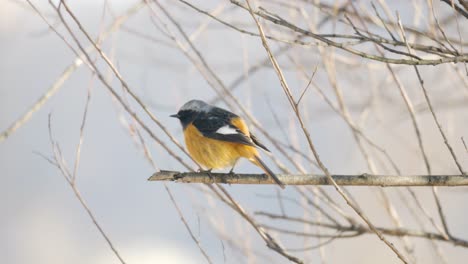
<point x="208" y="172"/>
<point x="232" y="174"/>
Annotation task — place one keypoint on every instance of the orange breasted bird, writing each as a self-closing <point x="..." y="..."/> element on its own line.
<point x="217" y="138"/>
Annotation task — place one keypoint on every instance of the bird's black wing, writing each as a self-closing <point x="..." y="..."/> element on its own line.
<point x="216" y="124"/>
<point x="257" y="142"/>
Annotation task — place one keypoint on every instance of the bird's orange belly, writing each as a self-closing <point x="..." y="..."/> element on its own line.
<point x="212" y="153"/>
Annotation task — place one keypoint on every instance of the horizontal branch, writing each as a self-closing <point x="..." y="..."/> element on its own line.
<point x="310" y="179"/>
<point x="357" y="230"/>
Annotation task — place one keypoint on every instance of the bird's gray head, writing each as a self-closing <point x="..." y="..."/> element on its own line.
<point x="190" y="110"/>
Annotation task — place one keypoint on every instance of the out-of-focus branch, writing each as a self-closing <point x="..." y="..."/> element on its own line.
<point x="311" y="179"/>
<point x="458" y="8"/>
<point x="41" y="101"/>
<point x="67" y="72"/>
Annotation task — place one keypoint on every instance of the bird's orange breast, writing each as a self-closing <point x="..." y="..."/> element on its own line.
<point x="212" y="153"/>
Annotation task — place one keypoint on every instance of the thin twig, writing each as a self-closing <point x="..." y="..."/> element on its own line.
<point x="61" y="165"/>
<point x="197" y="242"/>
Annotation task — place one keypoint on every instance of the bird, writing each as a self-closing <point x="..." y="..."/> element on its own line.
<point x="217" y="138"/>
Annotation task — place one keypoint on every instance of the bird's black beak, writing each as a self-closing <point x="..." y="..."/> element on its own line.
<point x="175" y="115"/>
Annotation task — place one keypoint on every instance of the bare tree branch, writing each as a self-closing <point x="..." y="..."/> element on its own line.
<point x="459" y="9"/>
<point x="313" y="179"/>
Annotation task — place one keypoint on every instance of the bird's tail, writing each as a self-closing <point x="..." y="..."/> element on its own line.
<point x="267" y="170"/>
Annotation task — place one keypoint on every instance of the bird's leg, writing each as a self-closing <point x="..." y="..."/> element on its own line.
<point x="231" y="172"/>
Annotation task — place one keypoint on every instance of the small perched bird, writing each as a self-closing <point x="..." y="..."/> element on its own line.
<point x="217" y="138"/>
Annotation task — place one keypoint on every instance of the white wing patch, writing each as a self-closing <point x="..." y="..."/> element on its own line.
<point x="226" y="130"/>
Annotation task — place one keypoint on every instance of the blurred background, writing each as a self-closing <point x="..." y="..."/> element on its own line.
<point x="43" y="222"/>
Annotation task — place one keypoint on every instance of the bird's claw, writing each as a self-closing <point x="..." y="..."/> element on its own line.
<point x="208" y="172"/>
